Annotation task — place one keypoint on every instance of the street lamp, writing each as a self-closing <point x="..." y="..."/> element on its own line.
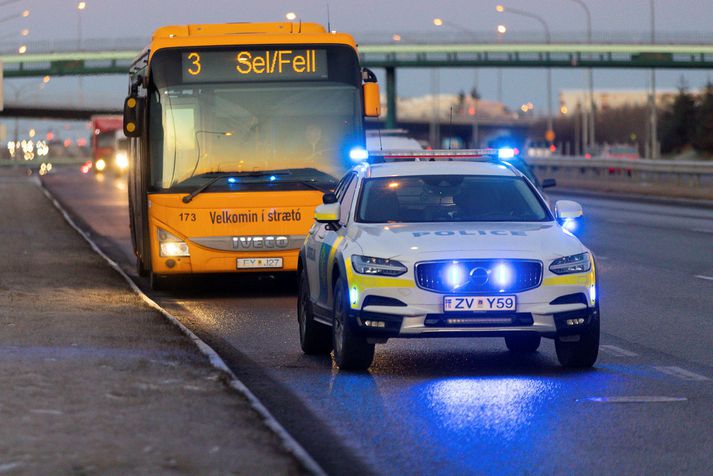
<point x="548" y="39"/>
<point x="502" y="29"/>
<point x="80" y="7"/>
<point x="22" y="49"/>
<point x="590" y="80"/>
<point x="440" y="22"/>
<point x="23" y="14"/>
<point x="291" y="16"/>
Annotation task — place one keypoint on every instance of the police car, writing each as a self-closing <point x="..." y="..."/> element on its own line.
<point x="444" y="244"/>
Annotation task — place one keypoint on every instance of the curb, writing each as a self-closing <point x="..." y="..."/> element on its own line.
<point x="288" y="442"/>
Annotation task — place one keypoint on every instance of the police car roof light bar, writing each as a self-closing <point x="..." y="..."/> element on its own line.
<point x="432" y="155"/>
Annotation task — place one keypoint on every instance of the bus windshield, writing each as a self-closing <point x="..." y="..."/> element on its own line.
<point x="198" y="129"/>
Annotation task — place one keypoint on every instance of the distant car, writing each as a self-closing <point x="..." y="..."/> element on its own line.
<point x="444" y="244"/>
<point x="391" y="139"/>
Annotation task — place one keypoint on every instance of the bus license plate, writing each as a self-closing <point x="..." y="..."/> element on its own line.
<point x="479" y="303"/>
<point x="259" y="263"/>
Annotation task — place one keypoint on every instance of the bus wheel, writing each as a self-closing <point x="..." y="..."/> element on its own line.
<point x="141" y="268"/>
<point x="159" y="282"/>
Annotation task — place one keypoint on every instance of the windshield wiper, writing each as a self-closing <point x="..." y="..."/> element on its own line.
<point x="225" y="175"/>
<point x="309" y="184"/>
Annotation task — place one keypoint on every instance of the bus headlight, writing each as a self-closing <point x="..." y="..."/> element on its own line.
<point x="377" y="266"/>
<point x="122" y="160"/>
<point x="579" y="263"/>
<point x="100" y="165"/>
<point x="171" y="246"/>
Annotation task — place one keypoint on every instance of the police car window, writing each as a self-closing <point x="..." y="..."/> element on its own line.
<point x="449" y="198"/>
<point x="346" y="202"/>
<point x="342" y="185"/>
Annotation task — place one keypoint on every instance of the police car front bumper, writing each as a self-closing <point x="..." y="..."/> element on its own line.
<point x="414" y="313"/>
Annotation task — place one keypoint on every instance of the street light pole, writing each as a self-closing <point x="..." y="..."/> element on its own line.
<point x="548" y="39"/>
<point x="652" y="98"/>
<point x="591" y="132"/>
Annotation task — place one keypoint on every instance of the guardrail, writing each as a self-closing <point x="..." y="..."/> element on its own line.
<point x="669" y="172"/>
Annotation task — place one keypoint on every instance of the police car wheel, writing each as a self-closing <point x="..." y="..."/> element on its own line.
<point x="584" y="352"/>
<point x="351" y="351"/>
<point x="524" y="343"/>
<point x="315" y="338"/>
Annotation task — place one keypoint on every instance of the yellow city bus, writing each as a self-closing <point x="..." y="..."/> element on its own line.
<point x="237" y="130"/>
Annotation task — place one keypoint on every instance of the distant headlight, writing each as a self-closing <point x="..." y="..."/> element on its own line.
<point x="171" y="246"/>
<point x="122" y="160"/>
<point x="571" y="264"/>
<point x="100" y="165"/>
<point x="377" y="266"/>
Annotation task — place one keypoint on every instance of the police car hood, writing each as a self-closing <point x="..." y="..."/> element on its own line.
<point x="419" y="241"/>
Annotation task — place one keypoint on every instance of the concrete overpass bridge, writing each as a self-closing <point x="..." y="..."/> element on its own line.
<point x="391" y="57"/>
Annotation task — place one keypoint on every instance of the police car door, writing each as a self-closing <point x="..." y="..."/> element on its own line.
<point x="314" y="248"/>
<point x="328" y="240"/>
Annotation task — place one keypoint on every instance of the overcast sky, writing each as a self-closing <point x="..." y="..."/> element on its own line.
<point x="57" y="20"/>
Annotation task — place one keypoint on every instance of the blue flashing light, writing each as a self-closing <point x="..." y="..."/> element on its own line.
<point x="502" y="275"/>
<point x="455" y="275"/>
<point x="232" y="180"/>
<point x="570" y="225"/>
<point x="506" y="153"/>
<point x="358" y="154"/>
<point x="273" y="178"/>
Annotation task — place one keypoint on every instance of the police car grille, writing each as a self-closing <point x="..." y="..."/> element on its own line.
<point x="433" y="276"/>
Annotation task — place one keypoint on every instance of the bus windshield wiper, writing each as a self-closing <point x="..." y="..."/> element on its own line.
<point x="310" y="184"/>
<point x="224" y="175"/>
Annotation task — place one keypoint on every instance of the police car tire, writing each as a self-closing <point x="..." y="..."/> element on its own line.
<point x="583" y="353"/>
<point x="315" y="338"/>
<point x="351" y="351"/>
<point x="524" y="343"/>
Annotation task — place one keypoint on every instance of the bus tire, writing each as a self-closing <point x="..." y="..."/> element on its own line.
<point x="159" y="282"/>
<point x="141" y="268"/>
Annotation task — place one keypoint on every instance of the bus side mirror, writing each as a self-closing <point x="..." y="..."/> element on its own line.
<point x="133" y="114"/>
<point x="372" y="100"/>
<point x="329" y="197"/>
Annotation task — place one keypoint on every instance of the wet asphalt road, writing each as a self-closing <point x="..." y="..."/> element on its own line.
<point x="458" y="406"/>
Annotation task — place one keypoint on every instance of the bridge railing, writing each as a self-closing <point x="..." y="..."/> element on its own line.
<point x="676" y="173"/>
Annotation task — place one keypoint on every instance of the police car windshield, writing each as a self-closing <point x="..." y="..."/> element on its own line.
<point x="449" y="198"/>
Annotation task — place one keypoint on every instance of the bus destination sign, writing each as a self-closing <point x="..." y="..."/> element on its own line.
<point x="254" y="65"/>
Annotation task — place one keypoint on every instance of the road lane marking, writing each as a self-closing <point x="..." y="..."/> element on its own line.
<point x="633" y="399"/>
<point x="707" y="278"/>
<point x="617" y="351"/>
<point x="289" y="443"/>
<point x="683" y="374"/>
<point x="702" y="230"/>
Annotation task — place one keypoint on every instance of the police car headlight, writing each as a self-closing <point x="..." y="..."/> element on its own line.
<point x="571" y="264"/>
<point x="377" y="266"/>
<point x="171" y="246"/>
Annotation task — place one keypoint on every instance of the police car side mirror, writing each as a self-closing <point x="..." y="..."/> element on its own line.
<point x="327" y="213"/>
<point x="567" y="210"/>
<point x="549" y="182"/>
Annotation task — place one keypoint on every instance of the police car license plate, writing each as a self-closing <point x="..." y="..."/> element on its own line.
<point x="259" y="263"/>
<point x="479" y="303"/>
